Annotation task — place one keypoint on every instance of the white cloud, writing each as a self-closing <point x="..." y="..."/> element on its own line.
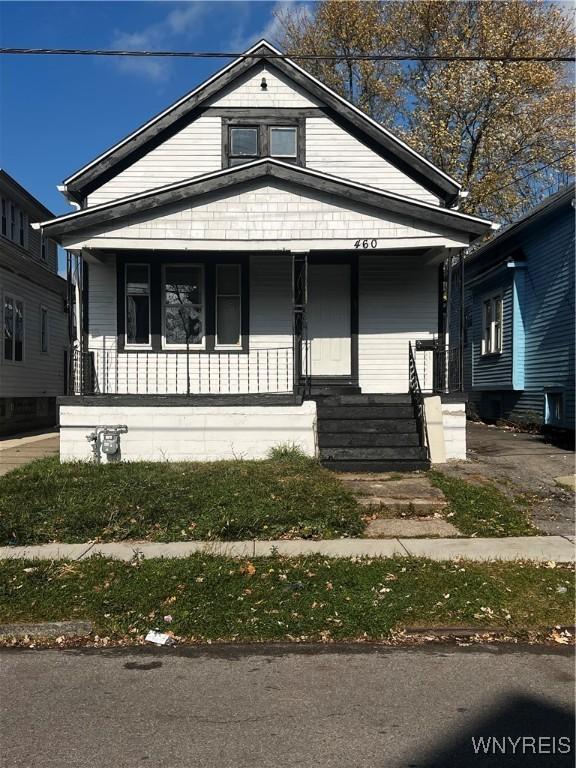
<point x="184" y="21"/>
<point x="272" y="30"/>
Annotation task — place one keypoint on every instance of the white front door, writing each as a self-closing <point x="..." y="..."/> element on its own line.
<point x="328" y="314"/>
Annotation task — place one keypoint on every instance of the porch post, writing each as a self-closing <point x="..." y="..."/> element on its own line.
<point x="299" y="299"/>
<point x="448" y="321"/>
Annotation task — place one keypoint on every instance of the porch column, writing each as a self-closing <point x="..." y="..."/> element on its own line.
<point x="301" y="362"/>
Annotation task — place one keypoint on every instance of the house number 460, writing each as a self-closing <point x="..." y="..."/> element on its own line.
<point x="366" y="244"/>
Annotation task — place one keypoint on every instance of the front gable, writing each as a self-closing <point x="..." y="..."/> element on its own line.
<point x="266" y="205"/>
<point x="181" y="142"/>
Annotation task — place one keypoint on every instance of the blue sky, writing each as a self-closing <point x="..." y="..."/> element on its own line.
<point x="59" y="112"/>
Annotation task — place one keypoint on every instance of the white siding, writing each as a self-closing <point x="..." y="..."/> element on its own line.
<point x="269" y="213"/>
<point x="397" y="304"/>
<point x="40" y="374"/>
<point x="267" y="367"/>
<point x="331" y="149"/>
<point x="247" y="92"/>
<point x="194" y="150"/>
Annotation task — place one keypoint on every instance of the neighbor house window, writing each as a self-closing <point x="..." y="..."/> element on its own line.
<point x="492" y="325"/>
<point x="4" y="216"/>
<point x="243" y="145"/>
<point x="184" y="305"/>
<point x="43" y="329"/>
<point x="137" y="304"/>
<point x="22" y="228"/>
<point x="12" y="221"/>
<point x="228" y="305"/>
<point x="283" y="141"/>
<point x="13" y="329"/>
<point x="44" y="249"/>
<point x="554" y="408"/>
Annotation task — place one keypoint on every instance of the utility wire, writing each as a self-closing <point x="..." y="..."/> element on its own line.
<point x="537" y="170"/>
<point x="271" y="55"/>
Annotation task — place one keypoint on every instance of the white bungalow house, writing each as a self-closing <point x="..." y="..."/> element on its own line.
<point x="262" y="267"/>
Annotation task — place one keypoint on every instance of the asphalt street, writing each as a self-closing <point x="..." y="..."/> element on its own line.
<point x="260" y="706"/>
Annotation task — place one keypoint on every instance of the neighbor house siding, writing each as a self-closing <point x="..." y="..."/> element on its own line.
<point x="398" y="304"/>
<point x="40" y="374"/>
<point x="549" y="317"/>
<point x="331" y="149"/>
<point x="492" y="371"/>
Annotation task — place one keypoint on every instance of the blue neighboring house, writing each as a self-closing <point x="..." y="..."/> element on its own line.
<point x="519" y="319"/>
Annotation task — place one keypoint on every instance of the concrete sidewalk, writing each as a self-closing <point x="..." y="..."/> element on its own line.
<point x="538" y="548"/>
<point x="22" y="449"/>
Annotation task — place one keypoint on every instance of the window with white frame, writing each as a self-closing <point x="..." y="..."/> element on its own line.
<point x="554" y="408"/>
<point x="137" y="277"/>
<point x="43" y="329"/>
<point x="184" y="306"/>
<point x="228" y="305"/>
<point x="13" y="329"/>
<point x="492" y="325"/>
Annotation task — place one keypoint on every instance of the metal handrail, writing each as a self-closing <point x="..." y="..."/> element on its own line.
<point x="417" y="400"/>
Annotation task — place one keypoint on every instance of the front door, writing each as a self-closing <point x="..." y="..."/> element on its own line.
<point x="328" y="315"/>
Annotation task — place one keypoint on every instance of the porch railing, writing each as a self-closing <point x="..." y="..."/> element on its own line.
<point x="100" y="371"/>
<point x="417" y="399"/>
<point x="448" y="374"/>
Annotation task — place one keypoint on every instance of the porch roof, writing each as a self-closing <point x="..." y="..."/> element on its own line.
<point x="200" y="186"/>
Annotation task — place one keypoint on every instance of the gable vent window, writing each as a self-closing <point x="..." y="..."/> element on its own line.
<point x="14" y="223"/>
<point x="244" y="139"/>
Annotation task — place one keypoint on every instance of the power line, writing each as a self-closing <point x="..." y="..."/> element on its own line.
<point x="537" y="170"/>
<point x="271" y="55"/>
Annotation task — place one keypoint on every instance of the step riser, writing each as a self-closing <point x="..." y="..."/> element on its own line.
<point x="373" y="454"/>
<point x="363" y="401"/>
<point x="370" y="440"/>
<point x="365" y="412"/>
<point x="377" y="466"/>
<point x="363" y="426"/>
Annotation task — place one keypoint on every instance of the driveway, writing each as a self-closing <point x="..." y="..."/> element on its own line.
<point x="22" y="449"/>
<point x="287" y="706"/>
<point x="520" y="463"/>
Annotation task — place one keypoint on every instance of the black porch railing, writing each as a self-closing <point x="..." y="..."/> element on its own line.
<point x="417" y="399"/>
<point x="102" y="372"/>
<point x="448" y="374"/>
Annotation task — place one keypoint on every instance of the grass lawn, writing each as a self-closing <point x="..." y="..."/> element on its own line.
<point x="286" y="496"/>
<point x="482" y="510"/>
<point x="309" y="598"/>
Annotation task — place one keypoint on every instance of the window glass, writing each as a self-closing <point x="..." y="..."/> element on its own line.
<point x="228" y="305"/>
<point x="4" y="216"/>
<point x="18" y="330"/>
<point x="243" y="142"/>
<point x="184" y="305"/>
<point x="137" y="304"/>
<point x="22" y="229"/>
<point x="44" y="329"/>
<point x="492" y="331"/>
<point x="283" y="142"/>
<point x="8" y="328"/>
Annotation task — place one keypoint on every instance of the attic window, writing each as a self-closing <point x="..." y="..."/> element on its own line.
<point x="244" y="140"/>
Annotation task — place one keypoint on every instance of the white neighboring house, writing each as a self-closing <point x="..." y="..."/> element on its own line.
<point x="263" y="266"/>
<point x="34" y="319"/>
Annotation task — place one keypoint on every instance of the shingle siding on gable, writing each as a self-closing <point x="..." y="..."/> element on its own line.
<point x="271" y="213"/>
<point x="279" y="92"/>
